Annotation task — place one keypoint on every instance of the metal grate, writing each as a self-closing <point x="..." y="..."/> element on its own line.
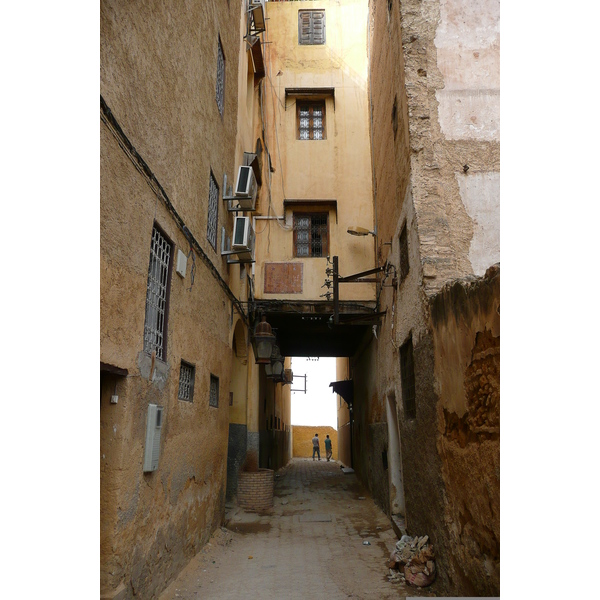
<point x="156" y="294"/>
<point x="311" y="235"/>
<point x="213" y="399"/>
<point x="311" y="121"/>
<point x="220" y="79"/>
<point x="186" y="382"/>
<point x="213" y="211"/>
<point x="407" y="374"/>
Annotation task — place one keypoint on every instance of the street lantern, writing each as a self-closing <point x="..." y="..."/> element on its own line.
<point x="274" y="370"/>
<point x="263" y="342"/>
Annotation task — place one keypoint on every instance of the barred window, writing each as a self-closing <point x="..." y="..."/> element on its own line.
<point x="310" y="117"/>
<point x="404" y="265"/>
<point x="159" y="278"/>
<point x="220" y="79"/>
<point x="311" y="27"/>
<point x="187" y="374"/>
<point x="213" y="211"/>
<point x="213" y="399"/>
<point x="407" y="376"/>
<point x="311" y="234"/>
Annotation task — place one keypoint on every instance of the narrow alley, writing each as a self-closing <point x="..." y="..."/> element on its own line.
<point x="313" y="542"/>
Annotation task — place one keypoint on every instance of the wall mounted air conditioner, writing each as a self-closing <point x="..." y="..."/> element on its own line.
<point x="246" y="187"/>
<point x="153" y="428"/>
<point x="241" y="234"/>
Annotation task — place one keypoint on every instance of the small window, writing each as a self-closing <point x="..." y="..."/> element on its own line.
<point x="311" y="235"/>
<point x="407" y="375"/>
<point x="186" y="382"/>
<point x="404" y="266"/>
<point x="311" y="27"/>
<point x="157" y="291"/>
<point x="395" y="117"/>
<point x="213" y="211"/>
<point x="310" y="117"/>
<point x="220" y="79"/>
<point x="214" y="392"/>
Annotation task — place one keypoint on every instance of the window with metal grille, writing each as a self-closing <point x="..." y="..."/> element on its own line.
<point x="220" y="79"/>
<point x="311" y="27"/>
<point x="157" y="292"/>
<point x="404" y="265"/>
<point x="186" y="381"/>
<point x="213" y="399"/>
<point x="311" y="234"/>
<point x="213" y="211"/>
<point x="407" y="375"/>
<point x="310" y="117"/>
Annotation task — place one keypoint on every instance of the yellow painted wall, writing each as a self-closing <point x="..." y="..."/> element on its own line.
<point x="302" y="436"/>
<point x="337" y="168"/>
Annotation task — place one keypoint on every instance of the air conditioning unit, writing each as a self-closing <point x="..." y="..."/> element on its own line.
<point x="153" y="428"/>
<point x="246" y="187"/>
<point x="241" y="234"/>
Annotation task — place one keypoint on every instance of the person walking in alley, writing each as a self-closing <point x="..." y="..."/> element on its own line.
<point x="328" y="451"/>
<point x="316" y="448"/>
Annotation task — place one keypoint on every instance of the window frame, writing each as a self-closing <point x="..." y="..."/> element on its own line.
<point x="192" y="369"/>
<point x="407" y="379"/>
<point x="151" y="345"/>
<point x="311" y="215"/>
<point x="308" y="39"/>
<point x="213" y="404"/>
<point x="403" y="254"/>
<point x="213" y="207"/>
<point x="311" y="104"/>
<point x="220" y="84"/>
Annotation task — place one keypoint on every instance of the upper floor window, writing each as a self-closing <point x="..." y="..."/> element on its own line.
<point x="311" y="27"/>
<point x="310" y="117"/>
<point x="311" y="234"/>
<point x="220" y="79"/>
<point x="157" y="290"/>
<point x="213" y="211"/>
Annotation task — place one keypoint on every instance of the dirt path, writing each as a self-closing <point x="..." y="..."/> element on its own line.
<point x="312" y="543"/>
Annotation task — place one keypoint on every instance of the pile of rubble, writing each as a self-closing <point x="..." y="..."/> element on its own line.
<point x="412" y="561"/>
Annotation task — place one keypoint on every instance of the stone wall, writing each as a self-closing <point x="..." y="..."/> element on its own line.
<point x="302" y="436"/>
<point x="466" y="336"/>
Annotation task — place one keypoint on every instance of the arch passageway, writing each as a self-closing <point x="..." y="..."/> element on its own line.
<point x="313" y="542"/>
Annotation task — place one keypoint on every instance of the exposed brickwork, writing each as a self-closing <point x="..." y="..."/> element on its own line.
<point x="255" y="490"/>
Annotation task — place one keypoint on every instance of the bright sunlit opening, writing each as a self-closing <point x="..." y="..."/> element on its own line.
<point x="317" y="406"/>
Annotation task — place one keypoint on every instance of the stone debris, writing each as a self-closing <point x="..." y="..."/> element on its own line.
<point x="412" y="561"/>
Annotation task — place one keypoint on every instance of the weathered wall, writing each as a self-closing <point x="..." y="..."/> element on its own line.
<point x="302" y="436"/>
<point x="434" y="85"/>
<point x="466" y="336"/>
<point x="162" y="95"/>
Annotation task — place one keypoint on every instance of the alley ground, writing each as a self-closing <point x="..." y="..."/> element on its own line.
<point x="311" y="544"/>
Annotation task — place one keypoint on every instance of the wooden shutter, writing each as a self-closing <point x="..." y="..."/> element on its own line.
<point x="318" y="26"/>
<point x="304" y="27"/>
<point x="311" y="27"/>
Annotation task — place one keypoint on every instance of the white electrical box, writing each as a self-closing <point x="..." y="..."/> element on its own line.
<point x="153" y="428"/>
<point x="181" y="263"/>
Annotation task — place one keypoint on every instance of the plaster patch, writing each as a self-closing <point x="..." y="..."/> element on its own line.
<point x="469" y="114"/>
<point x="480" y="194"/>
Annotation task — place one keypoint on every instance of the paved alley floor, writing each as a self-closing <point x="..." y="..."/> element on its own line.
<point x="311" y="544"/>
